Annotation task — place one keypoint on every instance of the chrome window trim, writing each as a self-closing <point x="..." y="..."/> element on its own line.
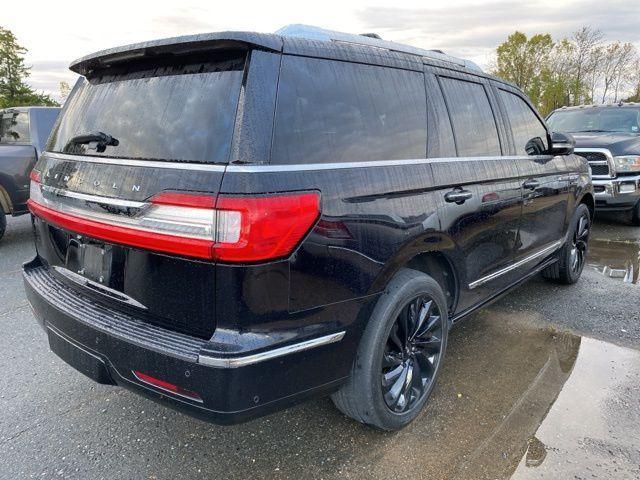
<point x="235" y="362"/>
<point x="492" y="276"/>
<point x="263" y="168"/>
<point x="300" y="167"/>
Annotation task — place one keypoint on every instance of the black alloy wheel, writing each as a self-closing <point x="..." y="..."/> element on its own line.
<point x="571" y="258"/>
<point x="411" y="355"/>
<point x="578" y="252"/>
<point x="400" y="353"/>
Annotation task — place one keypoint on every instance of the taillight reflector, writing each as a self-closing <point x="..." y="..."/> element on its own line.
<point x="166" y="386"/>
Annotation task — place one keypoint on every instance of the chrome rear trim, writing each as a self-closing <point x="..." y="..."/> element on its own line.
<point x="117" y="202"/>
<point x="98" y="287"/>
<point x="203" y="167"/>
<point x="235" y="362"/>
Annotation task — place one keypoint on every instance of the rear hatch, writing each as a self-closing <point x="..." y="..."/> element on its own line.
<point x="124" y="195"/>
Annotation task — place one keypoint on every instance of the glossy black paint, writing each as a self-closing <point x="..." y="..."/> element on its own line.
<point x="376" y="219"/>
<point x="18" y="158"/>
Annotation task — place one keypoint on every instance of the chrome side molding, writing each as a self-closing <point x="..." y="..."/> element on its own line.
<point x="492" y="276"/>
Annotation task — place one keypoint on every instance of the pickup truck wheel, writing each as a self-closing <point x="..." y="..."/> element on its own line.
<point x="3" y="223"/>
<point x="635" y="215"/>
<point x="573" y="254"/>
<point x="400" y="354"/>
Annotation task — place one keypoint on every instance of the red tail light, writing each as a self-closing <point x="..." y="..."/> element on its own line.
<point x="228" y="229"/>
<point x="34" y="175"/>
<point x="264" y="227"/>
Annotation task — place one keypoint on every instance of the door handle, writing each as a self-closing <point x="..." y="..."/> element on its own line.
<point x="531" y="184"/>
<point x="458" y="196"/>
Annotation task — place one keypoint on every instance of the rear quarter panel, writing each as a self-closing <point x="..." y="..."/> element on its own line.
<point x="16" y="162"/>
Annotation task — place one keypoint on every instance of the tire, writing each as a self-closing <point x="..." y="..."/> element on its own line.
<point x="3" y="223"/>
<point x="635" y="215"/>
<point x="572" y="256"/>
<point x="412" y="300"/>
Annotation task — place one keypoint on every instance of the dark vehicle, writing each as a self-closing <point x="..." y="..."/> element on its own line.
<point x="23" y="135"/>
<point x="235" y="222"/>
<point x="608" y="136"/>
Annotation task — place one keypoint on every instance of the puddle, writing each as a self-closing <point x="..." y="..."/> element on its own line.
<point x="620" y="260"/>
<point x="517" y="403"/>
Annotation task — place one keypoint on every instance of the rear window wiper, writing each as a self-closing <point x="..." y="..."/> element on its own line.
<point x="98" y="141"/>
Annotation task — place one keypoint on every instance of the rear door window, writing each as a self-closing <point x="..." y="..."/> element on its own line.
<point x="529" y="134"/>
<point x="472" y="118"/>
<point x="329" y="111"/>
<point x="14" y="127"/>
<point x="159" y="111"/>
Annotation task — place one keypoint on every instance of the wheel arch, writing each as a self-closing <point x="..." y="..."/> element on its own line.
<point x="433" y="255"/>
<point x="588" y="200"/>
<point x="439" y="266"/>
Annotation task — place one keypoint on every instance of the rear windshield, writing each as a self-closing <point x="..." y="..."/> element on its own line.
<point x="14" y="127"/>
<point x="615" y="119"/>
<point x="162" y="111"/>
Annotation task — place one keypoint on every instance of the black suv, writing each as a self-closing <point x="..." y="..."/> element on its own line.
<point x="234" y="222"/>
<point x="23" y="135"/>
<point x="608" y="136"/>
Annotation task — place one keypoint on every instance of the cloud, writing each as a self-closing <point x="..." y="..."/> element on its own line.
<point x="184" y="21"/>
<point x="46" y="76"/>
<point x="476" y="30"/>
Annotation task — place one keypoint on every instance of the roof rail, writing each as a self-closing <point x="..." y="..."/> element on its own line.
<point x="310" y="32"/>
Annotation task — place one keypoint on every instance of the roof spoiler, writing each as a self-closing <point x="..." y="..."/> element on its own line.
<point x="175" y="46"/>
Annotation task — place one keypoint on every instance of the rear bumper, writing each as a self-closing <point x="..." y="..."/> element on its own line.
<point x="617" y="194"/>
<point x="109" y="346"/>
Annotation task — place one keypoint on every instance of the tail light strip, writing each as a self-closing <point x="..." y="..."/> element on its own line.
<point x="228" y="228"/>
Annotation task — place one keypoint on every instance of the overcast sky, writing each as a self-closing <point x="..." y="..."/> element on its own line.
<point x="58" y="32"/>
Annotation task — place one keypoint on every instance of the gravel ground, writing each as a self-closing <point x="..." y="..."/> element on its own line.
<point x="508" y="397"/>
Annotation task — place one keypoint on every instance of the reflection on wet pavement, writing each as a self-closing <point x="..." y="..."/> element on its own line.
<point x="514" y="402"/>
<point x="615" y="259"/>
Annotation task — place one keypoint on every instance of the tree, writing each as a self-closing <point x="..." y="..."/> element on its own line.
<point x="65" y="89"/>
<point x="634" y="82"/>
<point x="626" y="58"/>
<point x="571" y="71"/>
<point x="586" y="42"/>
<point x="13" y="73"/>
<point x="521" y="60"/>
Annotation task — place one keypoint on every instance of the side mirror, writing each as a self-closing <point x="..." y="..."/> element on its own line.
<point x="535" y="146"/>
<point x="562" y="143"/>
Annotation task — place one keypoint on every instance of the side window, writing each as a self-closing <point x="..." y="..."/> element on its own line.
<point x="14" y="127"/>
<point x="329" y="111"/>
<point x="440" y="142"/>
<point x="529" y="134"/>
<point x="472" y="118"/>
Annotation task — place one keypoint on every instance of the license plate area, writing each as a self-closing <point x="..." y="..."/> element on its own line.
<point x="90" y="259"/>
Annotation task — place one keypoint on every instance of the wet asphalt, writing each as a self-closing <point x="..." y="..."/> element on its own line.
<point x="544" y="383"/>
